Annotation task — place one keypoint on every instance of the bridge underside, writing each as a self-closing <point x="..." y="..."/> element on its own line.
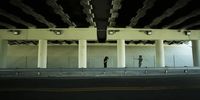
<point x="40" y="22"/>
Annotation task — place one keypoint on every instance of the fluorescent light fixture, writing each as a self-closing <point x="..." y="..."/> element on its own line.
<point x="57" y="32"/>
<point x="188" y="33"/>
<point x="112" y="32"/>
<point x="15" y="32"/>
<point x="148" y="32"/>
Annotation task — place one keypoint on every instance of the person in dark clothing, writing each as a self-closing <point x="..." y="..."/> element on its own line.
<point x="105" y="61"/>
<point x="140" y="60"/>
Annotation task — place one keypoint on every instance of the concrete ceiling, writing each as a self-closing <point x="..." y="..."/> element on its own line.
<point x="155" y="14"/>
<point x="175" y="14"/>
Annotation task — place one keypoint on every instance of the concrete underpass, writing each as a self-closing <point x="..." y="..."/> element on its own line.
<point x="99" y="49"/>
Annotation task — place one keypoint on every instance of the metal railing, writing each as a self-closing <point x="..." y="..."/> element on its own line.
<point x="98" y="72"/>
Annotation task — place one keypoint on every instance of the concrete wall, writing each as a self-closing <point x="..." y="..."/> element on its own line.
<point x="67" y="56"/>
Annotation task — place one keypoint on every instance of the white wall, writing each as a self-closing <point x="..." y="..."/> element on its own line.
<point x="67" y="56"/>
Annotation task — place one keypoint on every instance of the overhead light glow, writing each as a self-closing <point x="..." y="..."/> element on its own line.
<point x="57" y="32"/>
<point x="15" y="32"/>
<point x="148" y="32"/>
<point x="188" y="33"/>
<point x="112" y="32"/>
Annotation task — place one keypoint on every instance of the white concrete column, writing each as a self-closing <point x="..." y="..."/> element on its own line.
<point x="3" y="53"/>
<point x="82" y="54"/>
<point x="42" y="54"/>
<point x="196" y="52"/>
<point x="160" y="56"/>
<point x="121" y="53"/>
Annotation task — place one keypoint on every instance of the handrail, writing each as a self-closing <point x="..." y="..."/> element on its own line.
<point x="96" y="72"/>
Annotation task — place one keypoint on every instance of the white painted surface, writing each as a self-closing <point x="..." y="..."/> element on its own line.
<point x="42" y="54"/>
<point x="121" y="59"/>
<point x="162" y="34"/>
<point x="46" y="34"/>
<point x="160" y="53"/>
<point x="82" y="54"/>
<point x="80" y="34"/>
<point x="67" y="56"/>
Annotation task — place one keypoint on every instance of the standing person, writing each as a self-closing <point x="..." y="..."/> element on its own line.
<point x="140" y="60"/>
<point x="105" y="61"/>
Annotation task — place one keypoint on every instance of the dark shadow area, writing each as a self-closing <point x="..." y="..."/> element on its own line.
<point x="105" y="95"/>
<point x="122" y="88"/>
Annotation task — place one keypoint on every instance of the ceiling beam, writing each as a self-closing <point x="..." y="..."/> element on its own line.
<point x="29" y="11"/>
<point x="170" y="11"/>
<point x="157" y="34"/>
<point x="102" y="14"/>
<point x="116" y="5"/>
<point x="191" y="25"/>
<point x="7" y="25"/>
<point x="58" y="9"/>
<point x="88" y="11"/>
<point x="147" y="4"/>
<point x="50" y="34"/>
<point x="90" y="34"/>
<point x="15" y="18"/>
<point x="183" y="19"/>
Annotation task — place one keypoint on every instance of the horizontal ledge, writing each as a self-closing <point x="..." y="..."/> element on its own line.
<point x="50" y="34"/>
<point x="98" y="72"/>
<point x="156" y="34"/>
<point x="91" y="34"/>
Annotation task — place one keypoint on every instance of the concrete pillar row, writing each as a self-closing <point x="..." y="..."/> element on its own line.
<point x="196" y="52"/>
<point x="42" y="54"/>
<point x="121" y="61"/>
<point x="160" y="56"/>
<point x="3" y="53"/>
<point x="82" y="54"/>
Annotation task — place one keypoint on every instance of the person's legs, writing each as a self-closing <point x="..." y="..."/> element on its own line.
<point x="105" y="65"/>
<point x="140" y="64"/>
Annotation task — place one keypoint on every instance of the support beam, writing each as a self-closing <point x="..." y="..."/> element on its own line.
<point x="196" y="52"/>
<point x="30" y="11"/>
<point x="49" y="34"/>
<point x="147" y="4"/>
<point x="42" y="54"/>
<point x="15" y="19"/>
<point x="197" y="23"/>
<point x="116" y="5"/>
<point x="121" y="63"/>
<point x="183" y="19"/>
<point x="58" y="9"/>
<point x="102" y="15"/>
<point x="160" y="56"/>
<point x="90" y="34"/>
<point x="3" y="53"/>
<point x="169" y="12"/>
<point x="157" y="34"/>
<point x="82" y="54"/>
<point x="88" y="11"/>
<point x="6" y="25"/>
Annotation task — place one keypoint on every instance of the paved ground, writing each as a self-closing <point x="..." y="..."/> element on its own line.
<point x="113" y="88"/>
